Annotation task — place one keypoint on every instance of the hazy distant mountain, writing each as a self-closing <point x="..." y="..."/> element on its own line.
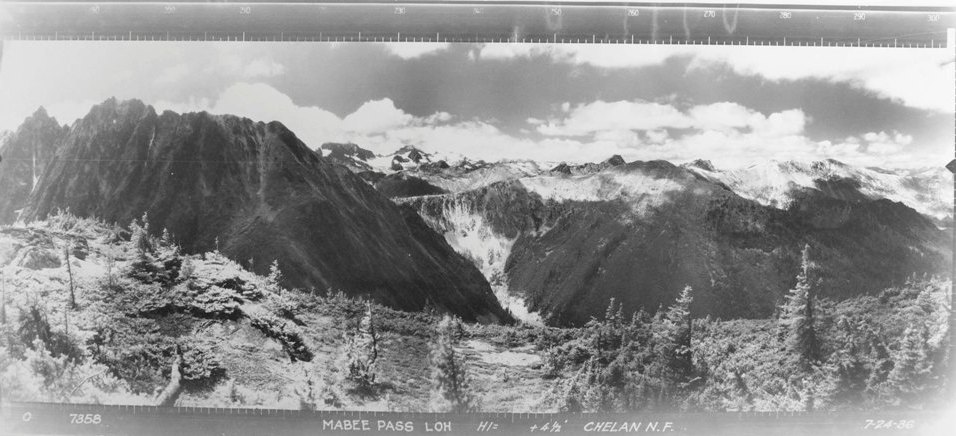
<point x="350" y="155"/>
<point x="256" y="191"/>
<point x="406" y="158"/>
<point x="466" y="174"/>
<point x="774" y="183"/>
<point x="588" y="168"/>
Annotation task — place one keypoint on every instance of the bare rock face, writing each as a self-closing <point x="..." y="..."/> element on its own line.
<point x="257" y="193"/>
<point x="37" y="258"/>
<point x="25" y="153"/>
<point x="351" y="155"/>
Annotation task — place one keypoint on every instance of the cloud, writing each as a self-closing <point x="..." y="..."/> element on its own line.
<point x="227" y="67"/>
<point x="727" y="133"/>
<point x="600" y="116"/>
<point x="413" y="50"/>
<point x="376" y="116"/>
<point x="876" y="148"/>
<point x="895" y="74"/>
<point x="259" y="68"/>
<point x="65" y="75"/>
<point x="900" y="75"/>
<point x="173" y="74"/>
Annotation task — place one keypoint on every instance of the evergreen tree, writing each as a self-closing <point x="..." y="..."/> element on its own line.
<point x="451" y="390"/>
<point x="678" y="326"/>
<point x="274" y="278"/>
<point x="849" y="361"/>
<point x="797" y="317"/>
<point x="571" y="401"/>
<point x="596" y="396"/>
<point x="140" y="240"/>
<point x="362" y="351"/>
<point x="911" y="365"/>
<point x="552" y="364"/>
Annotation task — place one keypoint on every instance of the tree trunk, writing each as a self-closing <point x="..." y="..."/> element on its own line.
<point x="3" y="299"/>
<point x="169" y="395"/>
<point x="69" y="272"/>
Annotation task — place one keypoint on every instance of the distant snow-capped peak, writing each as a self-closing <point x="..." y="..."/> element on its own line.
<point x="772" y="183"/>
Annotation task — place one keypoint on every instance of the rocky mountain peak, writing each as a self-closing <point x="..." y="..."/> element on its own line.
<point x="347" y="150"/>
<point x="703" y="164"/>
<point x="615" y="160"/>
<point x="255" y="191"/>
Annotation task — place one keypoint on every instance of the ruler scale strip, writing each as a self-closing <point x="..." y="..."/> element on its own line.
<point x="40" y="418"/>
<point x="479" y="22"/>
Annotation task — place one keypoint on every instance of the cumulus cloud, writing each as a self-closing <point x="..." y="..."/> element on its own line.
<point x="727" y="133"/>
<point x="376" y="116"/>
<point x="880" y="149"/>
<point x="600" y="117"/>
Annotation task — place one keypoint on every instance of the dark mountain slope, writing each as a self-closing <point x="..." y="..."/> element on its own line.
<point x="400" y="185"/>
<point x="263" y="195"/>
<point x="25" y="154"/>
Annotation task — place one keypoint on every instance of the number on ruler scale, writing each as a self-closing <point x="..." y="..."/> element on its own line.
<point x="859" y="16"/>
<point x="477" y="11"/>
<point x="245" y="10"/>
<point x="633" y="12"/>
<point x="555" y="11"/>
<point x="933" y="18"/>
<point x="399" y="10"/>
<point x="95" y="9"/>
<point x="169" y="9"/>
<point x="786" y="15"/>
<point x="710" y="13"/>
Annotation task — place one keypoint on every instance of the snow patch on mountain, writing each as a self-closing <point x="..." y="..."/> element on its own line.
<point x="467" y="175"/>
<point x="772" y="183"/>
<point x="409" y="158"/>
<point x="642" y="191"/>
<point x="472" y="236"/>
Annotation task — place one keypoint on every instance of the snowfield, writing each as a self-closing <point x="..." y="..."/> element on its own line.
<point x="472" y="236"/>
<point x="770" y="183"/>
<point x="642" y="191"/>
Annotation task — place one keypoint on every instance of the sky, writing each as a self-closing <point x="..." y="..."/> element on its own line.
<point x="733" y="105"/>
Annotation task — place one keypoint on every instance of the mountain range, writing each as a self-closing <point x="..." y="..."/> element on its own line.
<point x="559" y="240"/>
<point x="548" y="241"/>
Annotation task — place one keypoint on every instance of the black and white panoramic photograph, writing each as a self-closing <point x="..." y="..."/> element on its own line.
<point x="466" y="227"/>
